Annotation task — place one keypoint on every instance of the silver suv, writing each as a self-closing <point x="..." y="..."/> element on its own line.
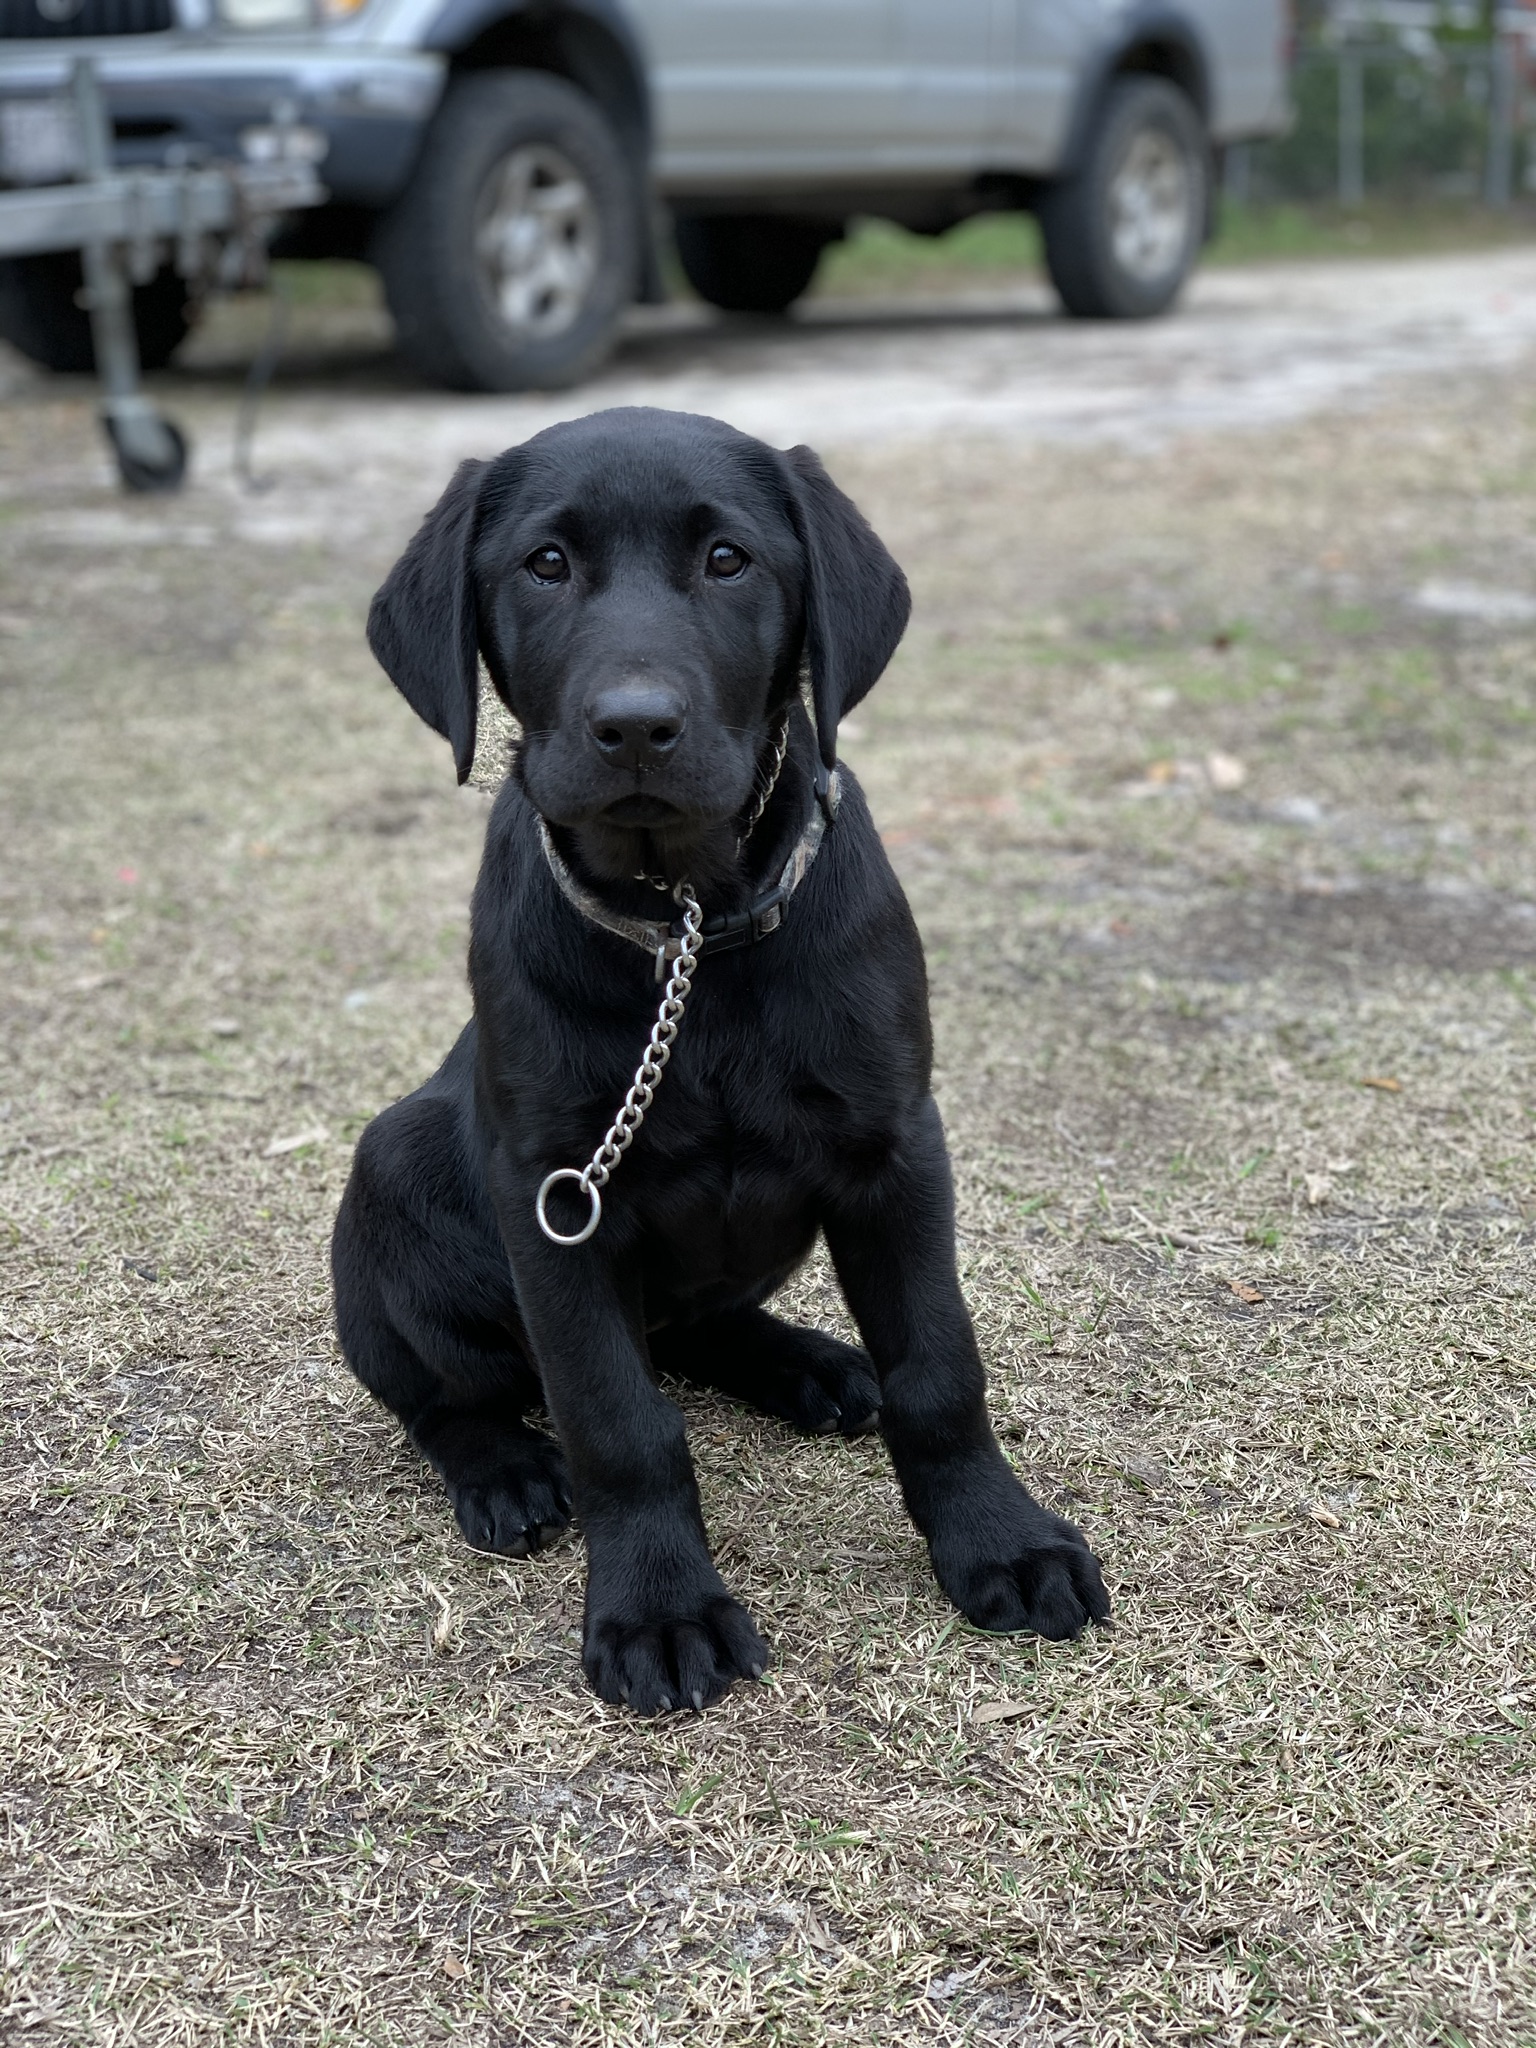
<point x="501" y="161"/>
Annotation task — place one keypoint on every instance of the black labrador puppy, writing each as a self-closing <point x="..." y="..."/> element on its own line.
<point x="648" y="591"/>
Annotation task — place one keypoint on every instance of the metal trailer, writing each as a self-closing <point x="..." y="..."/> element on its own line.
<point x="214" y="222"/>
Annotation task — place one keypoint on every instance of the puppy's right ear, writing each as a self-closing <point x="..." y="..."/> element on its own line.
<point x="421" y="625"/>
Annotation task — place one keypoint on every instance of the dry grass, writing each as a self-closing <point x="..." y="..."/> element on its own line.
<point x="285" y="1763"/>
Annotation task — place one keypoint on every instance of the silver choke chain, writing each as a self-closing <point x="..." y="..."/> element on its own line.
<point x="594" y="1176"/>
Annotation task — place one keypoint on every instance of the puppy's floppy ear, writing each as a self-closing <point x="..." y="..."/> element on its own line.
<point x="421" y="625"/>
<point x="856" y="599"/>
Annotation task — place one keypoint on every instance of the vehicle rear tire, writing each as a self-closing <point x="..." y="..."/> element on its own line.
<point x="515" y="248"/>
<point x="39" y="314"/>
<point x="1122" y="235"/>
<point x="751" y="262"/>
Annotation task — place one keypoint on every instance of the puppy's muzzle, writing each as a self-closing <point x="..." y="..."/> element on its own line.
<point x="637" y="724"/>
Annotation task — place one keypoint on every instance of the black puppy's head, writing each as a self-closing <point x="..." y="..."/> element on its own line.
<point x="644" y="587"/>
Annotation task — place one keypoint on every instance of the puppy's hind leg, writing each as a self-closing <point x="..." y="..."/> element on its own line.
<point x="506" y="1480"/>
<point x="424" y="1323"/>
<point x="804" y="1377"/>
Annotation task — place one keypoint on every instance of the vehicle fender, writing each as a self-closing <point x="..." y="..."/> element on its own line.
<point x="592" y="43"/>
<point x="1149" y="22"/>
<point x="460" y="24"/>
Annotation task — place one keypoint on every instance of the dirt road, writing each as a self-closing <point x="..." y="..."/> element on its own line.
<point x="348" y="448"/>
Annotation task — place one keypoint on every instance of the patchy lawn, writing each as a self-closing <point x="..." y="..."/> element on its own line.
<point x="1221" y="846"/>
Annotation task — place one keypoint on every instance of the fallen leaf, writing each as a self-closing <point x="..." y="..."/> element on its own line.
<point x="1162" y="771"/>
<point x="1225" y="772"/>
<point x="1221" y="642"/>
<point x="1384" y="1082"/>
<point x="452" y="1967"/>
<point x="175" y="1662"/>
<point x="279" y="1146"/>
<point x="1000" y="1710"/>
<point x="1244" y="1292"/>
<point x="442" y="1628"/>
<point x="816" y="1934"/>
<point x="1319" y="1188"/>
<point x="1318" y="1513"/>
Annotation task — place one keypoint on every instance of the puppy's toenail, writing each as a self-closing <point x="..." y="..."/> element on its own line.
<point x="698" y="1700"/>
<point x="758" y="1670"/>
<point x="664" y="1704"/>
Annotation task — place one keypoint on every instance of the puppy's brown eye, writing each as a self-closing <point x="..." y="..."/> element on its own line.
<point x="547" y="565"/>
<point x="726" y="559"/>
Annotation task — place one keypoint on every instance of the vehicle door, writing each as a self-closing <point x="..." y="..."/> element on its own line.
<point x="1054" y="43"/>
<point x="761" y="88"/>
<point x="957" y="55"/>
<point x="992" y="83"/>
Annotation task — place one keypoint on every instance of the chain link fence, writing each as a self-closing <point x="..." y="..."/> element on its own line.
<point x="1406" y="102"/>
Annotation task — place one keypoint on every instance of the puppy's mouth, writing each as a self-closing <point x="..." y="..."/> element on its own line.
<point x="644" y="813"/>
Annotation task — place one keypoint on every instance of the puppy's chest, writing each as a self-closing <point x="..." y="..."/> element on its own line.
<point x="731" y="1188"/>
<point x="737" y="1112"/>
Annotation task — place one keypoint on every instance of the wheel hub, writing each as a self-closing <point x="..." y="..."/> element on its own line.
<point x="1149" y="206"/>
<point x="537" y="241"/>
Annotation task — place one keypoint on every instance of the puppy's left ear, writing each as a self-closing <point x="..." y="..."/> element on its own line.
<point x="421" y="625"/>
<point x="856" y="599"/>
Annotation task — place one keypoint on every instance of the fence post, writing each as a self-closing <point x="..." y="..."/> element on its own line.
<point x="1499" y="164"/>
<point x="1351" y="123"/>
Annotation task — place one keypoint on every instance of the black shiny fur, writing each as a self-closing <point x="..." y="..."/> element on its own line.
<point x="797" y="1100"/>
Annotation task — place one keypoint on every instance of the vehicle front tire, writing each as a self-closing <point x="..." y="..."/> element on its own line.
<point x="514" y="250"/>
<point x="41" y="316"/>
<point x="1122" y="235"/>
<point x="751" y="262"/>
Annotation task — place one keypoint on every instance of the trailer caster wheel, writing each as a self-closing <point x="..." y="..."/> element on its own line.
<point x="151" y="452"/>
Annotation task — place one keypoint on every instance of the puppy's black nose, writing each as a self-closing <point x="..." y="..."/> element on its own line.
<point x="637" y="723"/>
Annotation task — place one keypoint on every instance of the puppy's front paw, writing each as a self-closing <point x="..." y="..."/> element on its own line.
<point x="1022" y="1568"/>
<point x="688" y="1660"/>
